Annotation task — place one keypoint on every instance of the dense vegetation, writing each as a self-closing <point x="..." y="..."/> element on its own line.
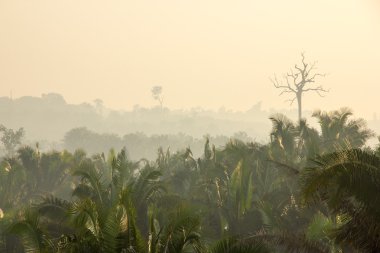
<point x="307" y="190"/>
<point x="139" y="144"/>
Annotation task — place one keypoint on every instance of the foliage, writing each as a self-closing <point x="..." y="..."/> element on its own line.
<point x="301" y="192"/>
<point x="11" y="139"/>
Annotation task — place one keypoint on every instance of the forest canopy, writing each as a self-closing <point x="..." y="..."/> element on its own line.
<point x="306" y="190"/>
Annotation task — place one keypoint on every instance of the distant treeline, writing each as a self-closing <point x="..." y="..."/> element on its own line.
<point x="139" y="144"/>
<point x="49" y="117"/>
<point x="55" y="124"/>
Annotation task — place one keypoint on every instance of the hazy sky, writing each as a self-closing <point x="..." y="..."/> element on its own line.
<point x="208" y="53"/>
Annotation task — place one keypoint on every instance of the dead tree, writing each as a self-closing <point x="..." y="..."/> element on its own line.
<point x="299" y="80"/>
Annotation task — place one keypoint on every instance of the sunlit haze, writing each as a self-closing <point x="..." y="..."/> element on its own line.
<point x="203" y="53"/>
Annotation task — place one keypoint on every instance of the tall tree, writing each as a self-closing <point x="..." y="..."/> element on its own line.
<point x="298" y="81"/>
<point x="157" y="94"/>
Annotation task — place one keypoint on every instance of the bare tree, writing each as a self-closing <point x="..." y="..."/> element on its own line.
<point x="157" y="94"/>
<point x="300" y="80"/>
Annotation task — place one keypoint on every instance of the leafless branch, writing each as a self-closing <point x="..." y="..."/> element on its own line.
<point x="312" y="67"/>
<point x="311" y="79"/>
<point x="298" y="68"/>
<point x="319" y="88"/>
<point x="298" y="80"/>
<point x="277" y="84"/>
<point x="320" y="94"/>
<point x="294" y="77"/>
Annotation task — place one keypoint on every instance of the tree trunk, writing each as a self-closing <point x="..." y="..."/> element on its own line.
<point x="299" y="101"/>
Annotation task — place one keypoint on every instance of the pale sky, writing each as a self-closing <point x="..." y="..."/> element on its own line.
<point x="208" y="53"/>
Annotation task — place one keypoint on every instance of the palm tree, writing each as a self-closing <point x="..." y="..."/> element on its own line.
<point x="347" y="182"/>
<point x="12" y="183"/>
<point x="308" y="145"/>
<point x="180" y="233"/>
<point x="31" y="234"/>
<point x="338" y="131"/>
<point x="103" y="215"/>
<point x="283" y="137"/>
<point x="46" y="172"/>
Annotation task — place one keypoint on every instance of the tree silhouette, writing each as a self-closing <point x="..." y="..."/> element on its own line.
<point x="11" y="139"/>
<point x="299" y="80"/>
<point x="157" y="94"/>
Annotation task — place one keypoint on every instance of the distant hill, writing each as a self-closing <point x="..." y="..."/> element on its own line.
<point x="49" y="118"/>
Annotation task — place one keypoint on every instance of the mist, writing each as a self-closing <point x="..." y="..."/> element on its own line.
<point x="189" y="126"/>
<point x="205" y="54"/>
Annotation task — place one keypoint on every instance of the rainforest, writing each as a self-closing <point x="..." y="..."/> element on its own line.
<point x="306" y="190"/>
<point x="189" y="126"/>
